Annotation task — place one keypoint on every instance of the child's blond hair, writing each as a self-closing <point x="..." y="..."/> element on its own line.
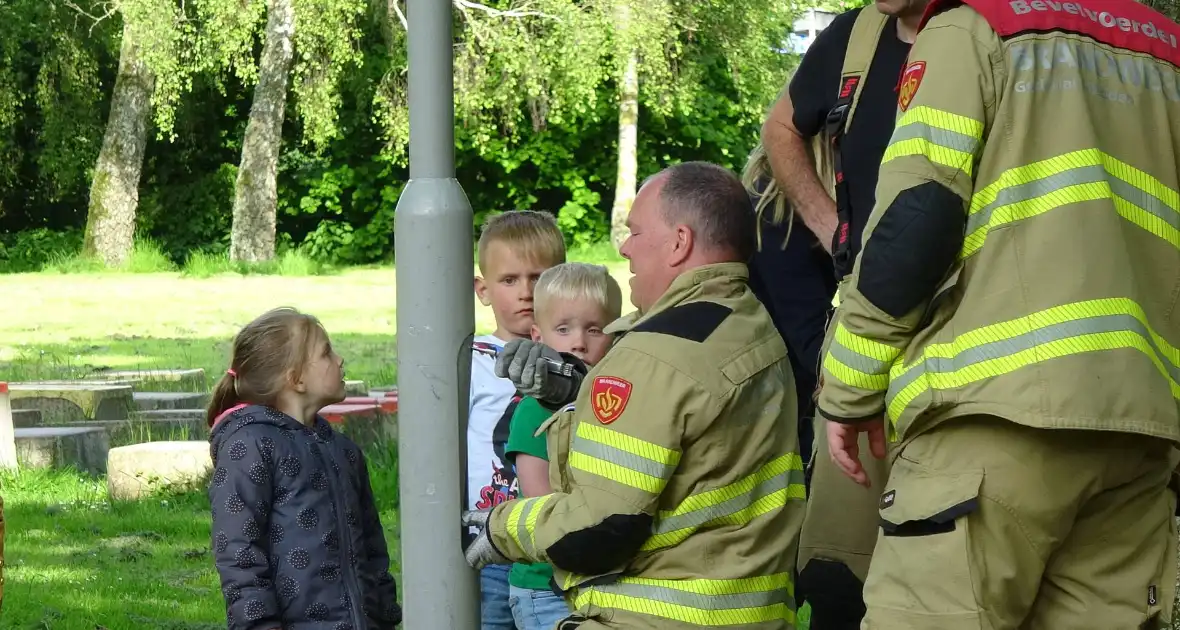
<point x="532" y="234"/>
<point x="578" y="281"/>
<point x="266" y="352"/>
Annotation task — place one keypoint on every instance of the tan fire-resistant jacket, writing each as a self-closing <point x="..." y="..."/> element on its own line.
<point x="1055" y="128"/>
<point x="677" y="482"/>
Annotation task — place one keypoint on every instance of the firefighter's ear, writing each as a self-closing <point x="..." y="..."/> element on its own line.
<point x="683" y="242"/>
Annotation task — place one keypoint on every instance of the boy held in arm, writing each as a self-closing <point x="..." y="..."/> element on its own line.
<point x="574" y="302"/>
<point x="514" y="249"/>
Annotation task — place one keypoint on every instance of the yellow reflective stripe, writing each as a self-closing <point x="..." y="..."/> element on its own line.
<point x="622" y="458"/>
<point x="738" y="503"/>
<point x="522" y="523"/>
<point x="1076" y="177"/>
<point x="859" y="361"/>
<point x="944" y="138"/>
<point x="701" y="602"/>
<point x="1070" y="329"/>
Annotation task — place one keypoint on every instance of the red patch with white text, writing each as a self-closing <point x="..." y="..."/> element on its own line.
<point x="608" y="397"/>
<point x="911" y="78"/>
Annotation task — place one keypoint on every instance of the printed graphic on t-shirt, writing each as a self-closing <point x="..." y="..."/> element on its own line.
<point x="503" y="485"/>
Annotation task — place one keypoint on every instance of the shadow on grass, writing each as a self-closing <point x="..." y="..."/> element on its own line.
<point x="77" y="561"/>
<point x="372" y="358"/>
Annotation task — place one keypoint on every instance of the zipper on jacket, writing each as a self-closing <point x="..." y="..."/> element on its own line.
<point x="356" y="598"/>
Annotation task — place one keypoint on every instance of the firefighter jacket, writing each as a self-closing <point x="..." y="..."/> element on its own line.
<point x="678" y="486"/>
<point x="1022" y="259"/>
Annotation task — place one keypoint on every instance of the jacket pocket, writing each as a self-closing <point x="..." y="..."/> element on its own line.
<point x="922" y="575"/>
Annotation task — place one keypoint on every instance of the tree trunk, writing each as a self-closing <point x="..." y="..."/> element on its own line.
<point x="628" y="149"/>
<point x="252" y="237"/>
<point x="114" y="191"/>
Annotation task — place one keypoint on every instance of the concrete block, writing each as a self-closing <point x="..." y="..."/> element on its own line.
<point x="26" y="418"/>
<point x="60" y="402"/>
<point x="153" y="401"/>
<point x="192" y="380"/>
<point x="355" y="388"/>
<point x="137" y="470"/>
<point x="85" y="448"/>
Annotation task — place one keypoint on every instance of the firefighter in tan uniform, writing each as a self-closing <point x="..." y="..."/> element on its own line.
<point x="1013" y="323"/>
<point x="678" y="486"/>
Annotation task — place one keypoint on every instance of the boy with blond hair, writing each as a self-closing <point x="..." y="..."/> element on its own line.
<point x="574" y="303"/>
<point x="515" y="248"/>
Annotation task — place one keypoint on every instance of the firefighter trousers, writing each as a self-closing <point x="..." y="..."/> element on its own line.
<point x="991" y="525"/>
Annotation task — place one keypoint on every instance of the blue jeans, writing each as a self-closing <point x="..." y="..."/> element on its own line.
<point x="536" y="609"/>
<point x="494" y="611"/>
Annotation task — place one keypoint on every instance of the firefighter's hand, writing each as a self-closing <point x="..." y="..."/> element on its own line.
<point x="481" y="552"/>
<point x="526" y="363"/>
<point x="844" y="446"/>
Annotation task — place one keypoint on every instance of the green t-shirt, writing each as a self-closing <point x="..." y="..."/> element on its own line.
<point x="526" y="419"/>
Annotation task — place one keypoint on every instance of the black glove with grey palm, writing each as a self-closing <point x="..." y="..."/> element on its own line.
<point x="551" y="377"/>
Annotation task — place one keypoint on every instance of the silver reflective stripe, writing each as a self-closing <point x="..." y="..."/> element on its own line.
<point x="1074" y="177"/>
<point x="700" y="601"/>
<point x="942" y="137"/>
<point x="618" y="456"/>
<point x="699" y="517"/>
<point x="522" y="530"/>
<point x="1007" y="347"/>
<point x="856" y="360"/>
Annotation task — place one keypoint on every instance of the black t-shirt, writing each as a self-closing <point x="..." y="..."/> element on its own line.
<point x="813" y="93"/>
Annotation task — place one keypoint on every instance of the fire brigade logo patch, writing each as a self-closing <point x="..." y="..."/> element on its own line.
<point x="911" y="78"/>
<point x="609" y="396"/>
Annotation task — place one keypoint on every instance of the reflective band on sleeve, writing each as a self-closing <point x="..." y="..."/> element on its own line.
<point x="944" y="138"/>
<point x="738" y="503"/>
<point x="1091" y="326"/>
<point x="1080" y="176"/>
<point x="622" y="458"/>
<point x="522" y="523"/>
<point x="859" y="361"/>
<point x="702" y="602"/>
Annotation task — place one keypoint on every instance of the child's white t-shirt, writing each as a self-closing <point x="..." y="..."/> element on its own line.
<point x="489" y="481"/>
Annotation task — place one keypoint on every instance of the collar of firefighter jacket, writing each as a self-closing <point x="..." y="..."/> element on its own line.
<point x="716" y="280"/>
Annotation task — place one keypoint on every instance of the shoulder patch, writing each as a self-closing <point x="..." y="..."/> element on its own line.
<point x="911" y="78"/>
<point x="608" y="397"/>
<point x="694" y="321"/>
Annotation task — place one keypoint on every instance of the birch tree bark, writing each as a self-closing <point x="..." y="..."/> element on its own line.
<point x="628" y="150"/>
<point x="114" y="189"/>
<point x="252" y="237"/>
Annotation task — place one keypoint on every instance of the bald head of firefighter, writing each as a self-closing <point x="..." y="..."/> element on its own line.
<point x="677" y="482"/>
<point x="685" y="216"/>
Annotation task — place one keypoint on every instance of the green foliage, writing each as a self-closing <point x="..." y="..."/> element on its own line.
<point x="32" y="249"/>
<point x="536" y="104"/>
<point x="146" y="257"/>
<point x="290" y="263"/>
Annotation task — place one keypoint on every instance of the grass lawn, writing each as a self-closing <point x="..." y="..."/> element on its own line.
<point x="77" y="561"/>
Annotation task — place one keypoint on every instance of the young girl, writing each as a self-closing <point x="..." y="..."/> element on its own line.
<point x="296" y="536"/>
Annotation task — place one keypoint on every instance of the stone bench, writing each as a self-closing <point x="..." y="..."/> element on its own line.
<point x="62" y="402"/>
<point x="137" y="470"/>
<point x="25" y="418"/>
<point x="158" y="380"/>
<point x="154" y="401"/>
<point x="141" y="427"/>
<point x="84" y="448"/>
